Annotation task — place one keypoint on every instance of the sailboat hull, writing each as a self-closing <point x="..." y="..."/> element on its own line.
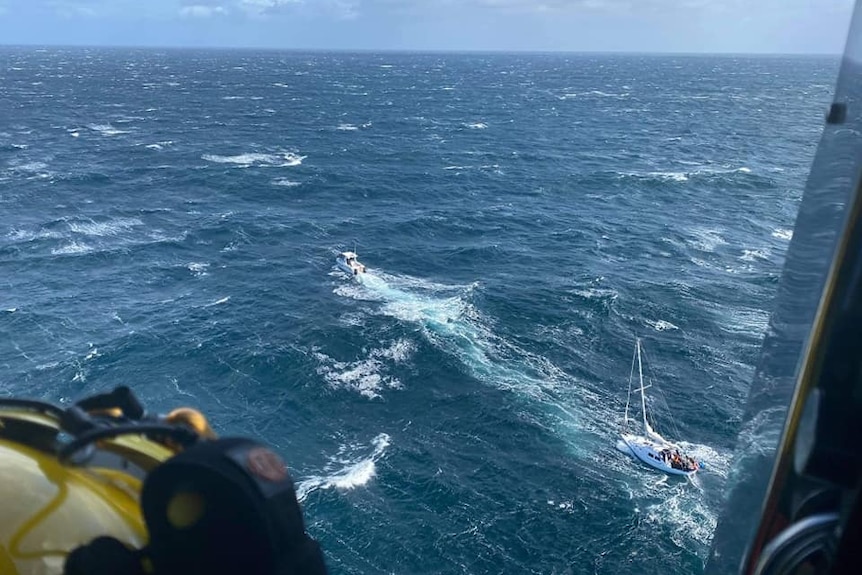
<point x="648" y="452"/>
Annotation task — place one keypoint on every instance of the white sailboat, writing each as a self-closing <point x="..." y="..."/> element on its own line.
<point x="651" y="448"/>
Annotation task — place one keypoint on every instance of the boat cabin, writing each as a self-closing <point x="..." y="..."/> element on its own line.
<point x="349" y="262"/>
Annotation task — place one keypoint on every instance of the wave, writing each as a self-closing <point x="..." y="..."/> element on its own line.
<point x="159" y="145"/>
<point x="706" y="239"/>
<point x="281" y="159"/>
<point x="365" y="376"/>
<point x="485" y="167"/>
<point x="347" y="127"/>
<point x="782" y="233"/>
<point x="32" y="170"/>
<point x="72" y="248"/>
<point x="197" y="268"/>
<point x="346" y="470"/>
<point x="594" y="93"/>
<point x="598" y="294"/>
<point x="106" y="129"/>
<point x="685" y="175"/>
<point x="752" y="322"/>
<point x="450" y="323"/>
<point x="284" y="182"/>
<point x="750" y="255"/>
<point x="108" y="228"/>
<point x="476" y="125"/>
<point x="661" y="325"/>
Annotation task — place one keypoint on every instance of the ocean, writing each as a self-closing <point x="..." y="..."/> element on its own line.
<point x="170" y="221"/>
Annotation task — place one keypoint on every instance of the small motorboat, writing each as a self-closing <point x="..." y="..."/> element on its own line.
<point x="348" y="262"/>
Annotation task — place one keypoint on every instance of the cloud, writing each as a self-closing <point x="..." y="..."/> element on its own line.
<point x="201" y="11"/>
<point x="74" y="9"/>
<point x="262" y="7"/>
<point x="344" y="9"/>
<point x="339" y="9"/>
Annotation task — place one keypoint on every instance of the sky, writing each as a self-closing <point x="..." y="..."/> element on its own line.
<point x="690" y="26"/>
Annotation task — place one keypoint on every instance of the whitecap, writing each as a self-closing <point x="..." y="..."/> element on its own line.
<point x="72" y="248"/>
<point x="750" y="255"/>
<point x="198" y="268"/>
<point x="597" y="293"/>
<point x="671" y="176"/>
<point x="28" y="236"/>
<point x="347" y="127"/>
<point x="675" y="176"/>
<point x="106" y="129"/>
<point x="36" y="169"/>
<point x="661" y="325"/>
<point x="159" y="145"/>
<point x="601" y="94"/>
<point x="476" y="125"/>
<point x="399" y="351"/>
<point x="284" y="182"/>
<point x="354" y="471"/>
<point x="744" y="321"/>
<point x="782" y="233"/>
<point x="706" y="239"/>
<point x="282" y="159"/>
<point x="365" y="376"/>
<point x="361" y="376"/>
<point x="108" y="228"/>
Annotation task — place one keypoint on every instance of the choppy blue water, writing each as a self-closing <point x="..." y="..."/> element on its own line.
<point x="169" y="220"/>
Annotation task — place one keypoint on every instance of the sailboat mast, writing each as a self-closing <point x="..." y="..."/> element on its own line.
<point x="629" y="395"/>
<point x="643" y="395"/>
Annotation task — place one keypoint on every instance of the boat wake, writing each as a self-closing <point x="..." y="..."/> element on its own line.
<point x="451" y="323"/>
<point x="447" y="319"/>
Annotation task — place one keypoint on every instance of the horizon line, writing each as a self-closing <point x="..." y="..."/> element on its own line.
<point x="416" y="50"/>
